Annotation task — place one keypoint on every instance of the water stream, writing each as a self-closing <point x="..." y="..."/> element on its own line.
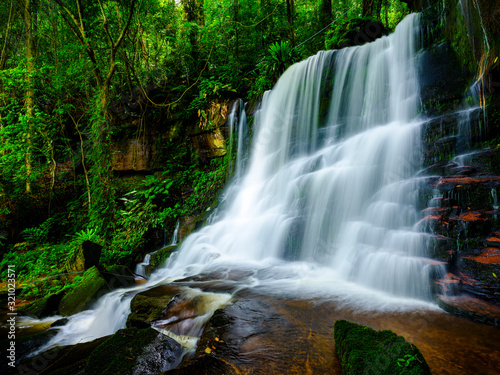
<point x="326" y="205"/>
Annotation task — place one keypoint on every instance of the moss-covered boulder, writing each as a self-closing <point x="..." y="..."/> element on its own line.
<point x="42" y="307"/>
<point x="84" y="257"/>
<point x="363" y="350"/>
<point x="146" y="309"/>
<point x="134" y="351"/>
<point x="87" y="292"/>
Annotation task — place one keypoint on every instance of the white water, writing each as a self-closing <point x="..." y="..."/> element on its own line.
<point x="327" y="205"/>
<point x="141" y="269"/>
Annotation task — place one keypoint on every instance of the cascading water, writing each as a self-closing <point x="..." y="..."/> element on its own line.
<point x="141" y="269"/>
<point x="330" y="176"/>
<point x="328" y="199"/>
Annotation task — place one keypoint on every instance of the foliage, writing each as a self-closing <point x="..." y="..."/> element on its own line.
<point x="280" y="56"/>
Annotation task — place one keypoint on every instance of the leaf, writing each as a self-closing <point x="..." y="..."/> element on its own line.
<point x="208" y="350"/>
<point x="495" y="276"/>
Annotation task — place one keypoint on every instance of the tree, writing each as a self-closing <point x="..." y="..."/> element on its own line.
<point x="101" y="208"/>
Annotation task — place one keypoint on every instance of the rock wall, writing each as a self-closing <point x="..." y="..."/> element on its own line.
<point x="461" y="154"/>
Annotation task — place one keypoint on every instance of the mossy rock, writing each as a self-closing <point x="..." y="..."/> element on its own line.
<point x="146" y="309"/>
<point x="92" y="286"/>
<point x="84" y="257"/>
<point x="118" y="277"/>
<point x="42" y="307"/>
<point x="363" y="350"/>
<point x="134" y="351"/>
<point x="159" y="257"/>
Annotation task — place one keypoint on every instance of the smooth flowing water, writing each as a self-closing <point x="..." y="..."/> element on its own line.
<point x="326" y="206"/>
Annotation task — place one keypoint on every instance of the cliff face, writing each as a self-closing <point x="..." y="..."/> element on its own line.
<point x="461" y="152"/>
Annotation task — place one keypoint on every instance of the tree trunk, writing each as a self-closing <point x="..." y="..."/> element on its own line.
<point x="29" y="20"/>
<point x="326" y="12"/>
<point x="290" y="15"/>
<point x="367" y="6"/>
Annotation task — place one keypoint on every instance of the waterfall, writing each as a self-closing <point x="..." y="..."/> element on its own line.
<point x="327" y="202"/>
<point x="330" y="180"/>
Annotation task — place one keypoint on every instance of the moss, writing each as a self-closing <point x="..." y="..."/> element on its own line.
<point x="42" y="307"/>
<point x="129" y="351"/>
<point x="145" y="309"/>
<point x="92" y="286"/>
<point x="362" y="349"/>
<point x="159" y="257"/>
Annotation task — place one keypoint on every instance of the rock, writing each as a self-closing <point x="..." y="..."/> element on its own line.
<point x="60" y="360"/>
<point x="471" y="308"/>
<point x="84" y="257"/>
<point x="60" y="322"/>
<point x="43" y="307"/>
<point x="24" y="345"/>
<point x="133" y="351"/>
<point x="85" y="294"/>
<point x="159" y="257"/>
<point x="118" y="277"/>
<point x="442" y="81"/>
<point x="362" y="350"/>
<point x="149" y="306"/>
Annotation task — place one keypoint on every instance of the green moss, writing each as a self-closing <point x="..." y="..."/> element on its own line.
<point x="130" y="351"/>
<point x="92" y="286"/>
<point x="160" y="256"/>
<point x="145" y="309"/>
<point x="364" y="350"/>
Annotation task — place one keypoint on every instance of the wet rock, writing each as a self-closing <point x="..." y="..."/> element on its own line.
<point x="118" y="277"/>
<point x="159" y="257"/>
<point x="84" y="257"/>
<point x="260" y="335"/>
<point x="59" y="361"/>
<point x="149" y="306"/>
<point x="85" y="294"/>
<point x="24" y="345"/>
<point x="469" y="307"/>
<point x="442" y="80"/>
<point x="134" y="351"/>
<point x="363" y="349"/>
<point x="42" y="307"/>
<point x="60" y="322"/>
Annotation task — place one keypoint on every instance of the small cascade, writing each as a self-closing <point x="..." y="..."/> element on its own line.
<point x="239" y="137"/>
<point x="141" y="269"/>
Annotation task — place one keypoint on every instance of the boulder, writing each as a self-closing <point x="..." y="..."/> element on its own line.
<point x="84" y="257"/>
<point x="133" y="351"/>
<point x="42" y="307"/>
<point x="118" y="277"/>
<point x="147" y="307"/>
<point x="363" y="350"/>
<point x="58" y="361"/>
<point x="24" y="345"/>
<point x="85" y="294"/>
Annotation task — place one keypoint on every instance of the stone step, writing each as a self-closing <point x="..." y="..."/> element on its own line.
<point x="471" y="308"/>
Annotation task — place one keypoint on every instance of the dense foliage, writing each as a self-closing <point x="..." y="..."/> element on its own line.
<point x="77" y="76"/>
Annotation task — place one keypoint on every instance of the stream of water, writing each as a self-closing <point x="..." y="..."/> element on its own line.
<point x="326" y="203"/>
